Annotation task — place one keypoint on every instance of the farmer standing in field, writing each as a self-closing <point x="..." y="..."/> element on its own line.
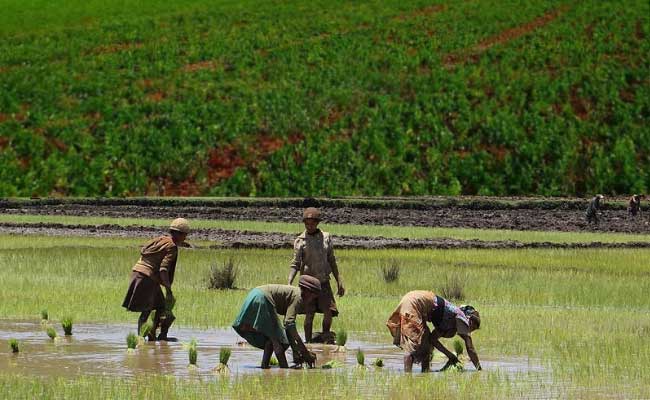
<point x="156" y="268"/>
<point x="313" y="255"/>
<point x="592" y="210"/>
<point x="259" y="324"/>
<point x="634" y="205"/>
<point x="408" y="326"/>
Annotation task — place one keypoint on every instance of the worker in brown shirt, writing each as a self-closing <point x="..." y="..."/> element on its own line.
<point x="156" y="268"/>
<point x="634" y="205"/>
<point x="313" y="255"/>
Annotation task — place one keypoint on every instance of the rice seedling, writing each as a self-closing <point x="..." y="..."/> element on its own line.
<point x="333" y="364"/>
<point x="131" y="341"/>
<point x="274" y="361"/>
<point x="361" y="358"/>
<point x="146" y="330"/>
<point x="223" y="277"/>
<point x="341" y="339"/>
<point x="379" y="363"/>
<point x="66" y="323"/>
<point x="458" y="347"/>
<point x="192" y="352"/>
<point x="224" y="357"/>
<point x="51" y="332"/>
<point x="14" y="345"/>
<point x="391" y="271"/>
<point x="44" y="315"/>
<point x="453" y="288"/>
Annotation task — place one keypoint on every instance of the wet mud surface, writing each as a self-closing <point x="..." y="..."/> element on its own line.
<point x="268" y="240"/>
<point x="557" y="216"/>
<point x="96" y="349"/>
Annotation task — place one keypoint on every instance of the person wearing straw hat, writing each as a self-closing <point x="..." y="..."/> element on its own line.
<point x="591" y="215"/>
<point x="313" y="255"/>
<point x="156" y="268"/>
<point x="258" y="320"/>
<point x="410" y="332"/>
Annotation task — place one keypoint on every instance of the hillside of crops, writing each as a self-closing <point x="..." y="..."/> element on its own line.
<point x="328" y="98"/>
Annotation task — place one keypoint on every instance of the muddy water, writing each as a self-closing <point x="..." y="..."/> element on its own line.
<point x="101" y="350"/>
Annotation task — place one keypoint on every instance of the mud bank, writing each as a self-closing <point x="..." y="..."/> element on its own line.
<point x="567" y="216"/>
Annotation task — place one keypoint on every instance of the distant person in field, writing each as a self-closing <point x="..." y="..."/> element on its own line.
<point x="259" y="324"/>
<point x="313" y="255"/>
<point x="592" y="211"/>
<point x="634" y="205"/>
<point x="408" y="326"/>
<point x="156" y="268"/>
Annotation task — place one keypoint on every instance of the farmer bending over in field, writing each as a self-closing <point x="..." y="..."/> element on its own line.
<point x="313" y="255"/>
<point x="259" y="324"/>
<point x="634" y="205"/>
<point x="408" y="326"/>
<point x="155" y="268"/>
<point x="592" y="210"/>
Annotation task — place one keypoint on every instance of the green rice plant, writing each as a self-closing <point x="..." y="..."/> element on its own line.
<point x="147" y="328"/>
<point x="224" y="357"/>
<point x="192" y="351"/>
<point x="274" y="361"/>
<point x="44" y="315"/>
<point x="391" y="271"/>
<point x="379" y="363"/>
<point x="453" y="288"/>
<point x="14" y="345"/>
<point x="341" y="337"/>
<point x="361" y="358"/>
<point x="51" y="332"/>
<point x="223" y="277"/>
<point x="66" y="323"/>
<point x="458" y="347"/>
<point x="331" y="364"/>
<point x="131" y="341"/>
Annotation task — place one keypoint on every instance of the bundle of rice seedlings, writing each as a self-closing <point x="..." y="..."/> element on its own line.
<point x="44" y="316"/>
<point x="131" y="341"/>
<point x="51" y="332"/>
<point x="458" y="347"/>
<point x="391" y="271"/>
<point x="66" y="323"/>
<point x="379" y="363"/>
<point x="224" y="356"/>
<point x="146" y="329"/>
<point x="13" y="345"/>
<point x="341" y="340"/>
<point x="332" y="364"/>
<point x="361" y="359"/>
<point x="192" y="352"/>
<point x="223" y="277"/>
<point x="274" y="361"/>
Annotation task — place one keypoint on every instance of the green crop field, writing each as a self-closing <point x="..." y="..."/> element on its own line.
<point x="222" y="97"/>
<point x="582" y="314"/>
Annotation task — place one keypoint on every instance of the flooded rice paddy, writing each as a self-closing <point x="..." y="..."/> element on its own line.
<point x="98" y="349"/>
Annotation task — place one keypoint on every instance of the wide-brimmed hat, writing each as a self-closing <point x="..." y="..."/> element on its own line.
<point x="180" y="225"/>
<point x="310" y="283"/>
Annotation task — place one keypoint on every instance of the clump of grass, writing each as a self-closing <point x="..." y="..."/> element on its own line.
<point x="14" y="346"/>
<point x="192" y="352"/>
<point x="458" y="347"/>
<point x="453" y="288"/>
<point x="341" y="337"/>
<point x="51" y="332"/>
<point x="131" y="341"/>
<point x="379" y="363"/>
<point x="44" y="315"/>
<point x="274" y="361"/>
<point x="361" y="358"/>
<point x="223" y="277"/>
<point x="66" y="323"/>
<point x="391" y="271"/>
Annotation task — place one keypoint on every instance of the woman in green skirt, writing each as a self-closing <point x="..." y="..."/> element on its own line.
<point x="258" y="320"/>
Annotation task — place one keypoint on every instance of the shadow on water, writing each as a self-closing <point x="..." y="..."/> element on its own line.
<point x="98" y="349"/>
